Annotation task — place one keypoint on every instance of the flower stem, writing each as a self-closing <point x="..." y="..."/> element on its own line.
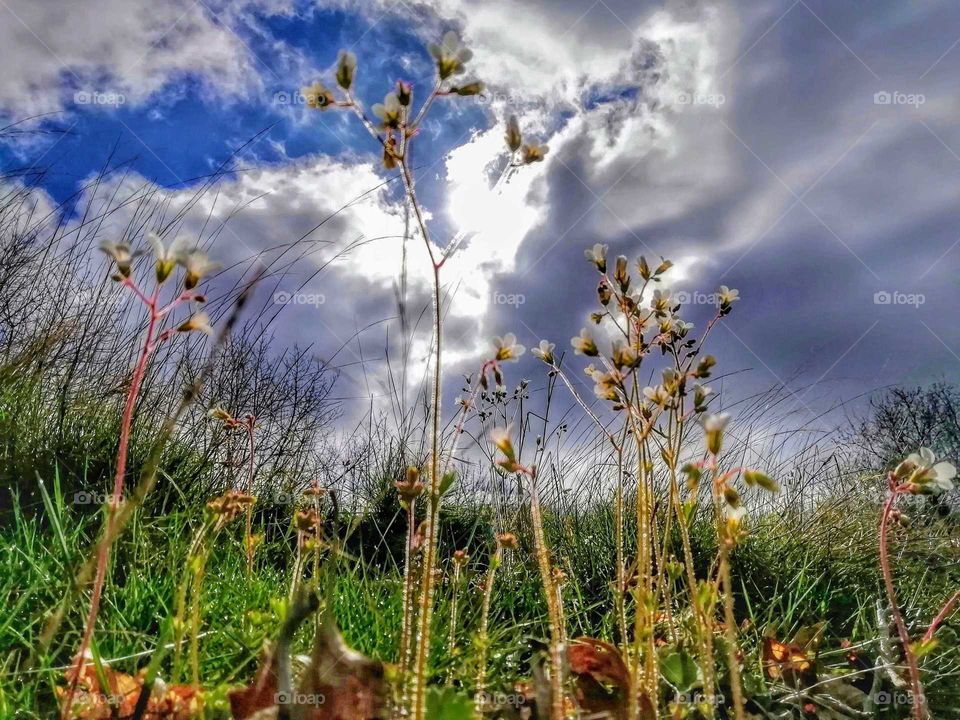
<point x="919" y="704"/>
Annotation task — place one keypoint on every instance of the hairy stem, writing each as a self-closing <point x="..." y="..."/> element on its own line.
<point x="919" y="704"/>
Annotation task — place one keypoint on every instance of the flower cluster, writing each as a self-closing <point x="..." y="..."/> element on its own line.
<point x="393" y="116"/>
<point x="523" y="153"/>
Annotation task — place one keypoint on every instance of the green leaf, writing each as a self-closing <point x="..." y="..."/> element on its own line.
<point x="448" y="704"/>
<point x="446" y="482"/>
<point x="680" y="670"/>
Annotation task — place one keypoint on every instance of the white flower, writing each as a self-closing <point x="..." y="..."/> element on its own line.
<point x="500" y="437"/>
<point x="623" y="356"/>
<point x="121" y="254"/>
<point x="727" y="295"/>
<point x="598" y="256"/>
<point x="450" y="55"/>
<point x="931" y="476"/>
<point x="660" y="302"/>
<point x="389" y="111"/>
<point x="658" y="395"/>
<point x="544" y="351"/>
<point x="198" y="322"/>
<point x="166" y="257"/>
<point x="318" y="96"/>
<point x="534" y="152"/>
<point x="197" y="265"/>
<point x="584" y="344"/>
<point x="713" y="427"/>
<point x="507" y="348"/>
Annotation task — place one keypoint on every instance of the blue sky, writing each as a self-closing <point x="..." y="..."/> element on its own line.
<point x="804" y="152"/>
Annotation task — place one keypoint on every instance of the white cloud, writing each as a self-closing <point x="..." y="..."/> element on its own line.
<point x="128" y="48"/>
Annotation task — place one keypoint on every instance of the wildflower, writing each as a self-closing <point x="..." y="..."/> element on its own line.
<point x="700" y="395"/>
<point x="658" y="395"/>
<point x="471" y="88"/>
<point x="604" y="293"/>
<point x="306" y="520"/>
<point x="734" y="516"/>
<point x="924" y="475"/>
<point x="450" y="55"/>
<point x="620" y="273"/>
<point x="727" y="296"/>
<point x="534" y="152"/>
<point x="197" y="322"/>
<point x="713" y="426"/>
<point x="218" y="413"/>
<point x="598" y="256"/>
<point x="606" y="385"/>
<point x="229" y="505"/>
<point x="507" y="348"/>
<point x="513" y="137"/>
<point x="197" y="265"/>
<point x="404" y="92"/>
<point x="544" y="351"/>
<point x="410" y="488"/>
<point x="500" y="437"/>
<point x="121" y="254"/>
<point x="460" y="558"/>
<point x="704" y="366"/>
<point x="660" y="303"/>
<point x="166" y="257"/>
<point x="755" y="477"/>
<point x="315" y="490"/>
<point x="390" y="111"/>
<point x="508" y="541"/>
<point x="319" y="96"/>
<point x="624" y="356"/>
<point x="584" y="344"/>
<point x="346" y="68"/>
<point x="682" y="328"/>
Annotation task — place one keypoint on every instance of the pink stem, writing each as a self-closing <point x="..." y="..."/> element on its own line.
<point x="103" y="550"/>
<point x="941" y="616"/>
<point x="919" y="706"/>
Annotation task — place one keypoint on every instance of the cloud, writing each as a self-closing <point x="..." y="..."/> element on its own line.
<point x="118" y="52"/>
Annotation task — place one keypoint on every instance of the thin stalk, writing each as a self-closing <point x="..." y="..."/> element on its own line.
<point x="103" y="550"/>
<point x="483" y="638"/>
<point x="919" y="702"/>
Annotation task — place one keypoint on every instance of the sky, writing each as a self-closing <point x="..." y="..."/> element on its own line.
<point x="805" y="152"/>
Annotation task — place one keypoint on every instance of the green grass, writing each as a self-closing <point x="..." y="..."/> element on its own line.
<point x="787" y="582"/>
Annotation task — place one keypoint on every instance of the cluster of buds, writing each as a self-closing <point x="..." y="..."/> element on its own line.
<point x="642" y="324"/>
<point x="194" y="261"/>
<point x="229" y="505"/>
<point x="394" y="113"/>
<point x="315" y="491"/>
<point x="921" y="474"/>
<point x="196" y="266"/>
<point x="507" y="541"/>
<point x="523" y="153"/>
<point x="460" y="558"/>
<point x="410" y="488"/>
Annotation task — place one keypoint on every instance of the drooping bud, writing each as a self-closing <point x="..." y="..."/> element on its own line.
<point x="513" y="137"/>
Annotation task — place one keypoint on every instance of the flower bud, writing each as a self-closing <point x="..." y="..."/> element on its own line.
<point x="346" y="68"/>
<point x="513" y="137"/>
